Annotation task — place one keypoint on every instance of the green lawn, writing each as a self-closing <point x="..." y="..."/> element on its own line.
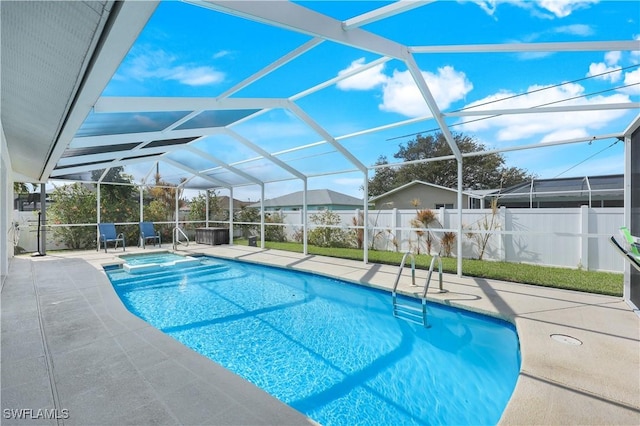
<point x="571" y="279"/>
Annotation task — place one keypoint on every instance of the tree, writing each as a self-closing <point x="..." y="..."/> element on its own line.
<point x="22" y="188"/>
<point x="162" y="208"/>
<point x="198" y="207"/>
<point x="479" y="172"/>
<point x="384" y="179"/>
<point x="74" y="204"/>
<point x="119" y="202"/>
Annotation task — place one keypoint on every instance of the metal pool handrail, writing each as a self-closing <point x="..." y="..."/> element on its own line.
<point x="407" y="311"/>
<point x="413" y="270"/>
<point x="426" y="284"/>
<point x="176" y="237"/>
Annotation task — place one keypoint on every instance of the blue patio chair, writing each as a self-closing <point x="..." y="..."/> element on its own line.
<point x="108" y="235"/>
<point x="148" y="232"/>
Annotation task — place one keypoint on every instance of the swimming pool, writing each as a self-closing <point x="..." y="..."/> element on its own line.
<point x="331" y="349"/>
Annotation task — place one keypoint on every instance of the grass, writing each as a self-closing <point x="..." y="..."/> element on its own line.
<point x="570" y="279"/>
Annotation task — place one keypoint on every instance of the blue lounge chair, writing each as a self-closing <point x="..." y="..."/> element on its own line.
<point x="148" y="232"/>
<point x="108" y="235"/>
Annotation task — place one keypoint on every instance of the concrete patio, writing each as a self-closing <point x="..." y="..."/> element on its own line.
<point x="68" y="344"/>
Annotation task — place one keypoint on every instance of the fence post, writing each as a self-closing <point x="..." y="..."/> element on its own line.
<point x="357" y="218"/>
<point x="584" y="239"/>
<point x="443" y="218"/>
<point x="396" y="233"/>
<point x="502" y="252"/>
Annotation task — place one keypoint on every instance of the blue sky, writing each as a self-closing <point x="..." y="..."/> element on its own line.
<point x="190" y="51"/>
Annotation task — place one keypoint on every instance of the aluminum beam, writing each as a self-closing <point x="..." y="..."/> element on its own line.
<point x="295" y="17"/>
<point x="246" y="142"/>
<point x="222" y="164"/>
<point x="539" y="110"/>
<point x="383" y="12"/>
<point x="584" y="46"/>
<point x="299" y="112"/>
<point x="166" y="104"/>
<point x="195" y="172"/>
<point x="433" y="106"/>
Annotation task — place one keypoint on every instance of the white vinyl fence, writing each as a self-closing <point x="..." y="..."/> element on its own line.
<point x="566" y="237"/>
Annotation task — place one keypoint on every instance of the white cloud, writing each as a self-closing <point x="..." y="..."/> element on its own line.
<point x="364" y="80"/>
<point x="564" y="134"/>
<point x="564" y="8"/>
<point x="489" y="6"/>
<point x="575" y="29"/>
<point x="197" y="76"/>
<point x="158" y="64"/>
<point x="613" y="57"/>
<point x="545" y="9"/>
<point x="401" y="94"/>
<point x="563" y="124"/>
<point x="221" y="54"/>
<point x="632" y="77"/>
<point x="607" y="70"/>
<point x="604" y="72"/>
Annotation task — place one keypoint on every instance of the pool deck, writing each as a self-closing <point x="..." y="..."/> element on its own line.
<point x="69" y="344"/>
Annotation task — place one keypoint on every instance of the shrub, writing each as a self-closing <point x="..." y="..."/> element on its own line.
<point x="327" y="236"/>
<point x="447" y="242"/>
<point x="275" y="232"/>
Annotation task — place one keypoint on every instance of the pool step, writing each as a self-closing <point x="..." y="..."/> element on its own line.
<point x="200" y="269"/>
<point x="169" y="279"/>
<point x="150" y="267"/>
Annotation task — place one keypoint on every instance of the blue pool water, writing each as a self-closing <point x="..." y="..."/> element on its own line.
<point x="331" y="349"/>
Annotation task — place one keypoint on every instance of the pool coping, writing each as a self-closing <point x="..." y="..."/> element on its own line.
<point x="558" y="382"/>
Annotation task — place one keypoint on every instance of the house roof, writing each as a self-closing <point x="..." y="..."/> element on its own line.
<point x="419" y="182"/>
<point x="223" y="200"/>
<point x="315" y="197"/>
<point x="599" y="186"/>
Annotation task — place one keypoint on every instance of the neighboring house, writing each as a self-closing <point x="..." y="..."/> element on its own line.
<point x="429" y="195"/>
<point x="317" y="199"/>
<point x="223" y="202"/>
<point x="592" y="191"/>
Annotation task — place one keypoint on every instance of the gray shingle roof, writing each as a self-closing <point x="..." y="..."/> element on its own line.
<point x="315" y="197"/>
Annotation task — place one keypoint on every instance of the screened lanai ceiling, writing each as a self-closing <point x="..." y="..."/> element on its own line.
<point x="222" y="94"/>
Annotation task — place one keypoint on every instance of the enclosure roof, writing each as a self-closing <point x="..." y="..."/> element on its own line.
<point x="64" y="115"/>
<point x="608" y="186"/>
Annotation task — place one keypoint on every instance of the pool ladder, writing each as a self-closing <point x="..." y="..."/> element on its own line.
<point x="176" y="237"/>
<point x="407" y="311"/>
